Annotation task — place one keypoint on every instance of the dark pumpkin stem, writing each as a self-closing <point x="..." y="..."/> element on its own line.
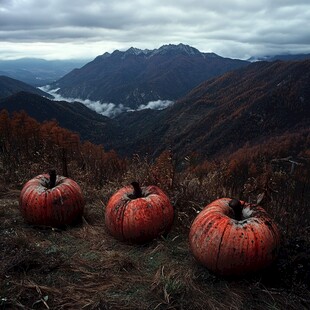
<point x="137" y="192"/>
<point x="236" y="205"/>
<point x="52" y="174"/>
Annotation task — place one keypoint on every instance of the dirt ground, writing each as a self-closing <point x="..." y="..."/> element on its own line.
<point x="82" y="267"/>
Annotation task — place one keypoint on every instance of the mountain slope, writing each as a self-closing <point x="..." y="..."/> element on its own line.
<point x="9" y="86"/>
<point x="249" y="105"/>
<point x="136" y="76"/>
<point x="74" y="116"/>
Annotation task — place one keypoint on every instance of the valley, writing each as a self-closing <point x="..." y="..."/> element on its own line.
<point x="247" y="106"/>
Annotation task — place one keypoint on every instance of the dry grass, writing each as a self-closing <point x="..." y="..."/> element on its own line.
<point x="82" y="267"/>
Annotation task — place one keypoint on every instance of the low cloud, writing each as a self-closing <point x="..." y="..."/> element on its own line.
<point x="107" y="109"/>
<point x="156" y="105"/>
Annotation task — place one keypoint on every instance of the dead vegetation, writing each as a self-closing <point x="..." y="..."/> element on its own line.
<point x="82" y="267"/>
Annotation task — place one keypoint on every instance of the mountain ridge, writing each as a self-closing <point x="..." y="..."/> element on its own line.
<point x="283" y="57"/>
<point x="249" y="106"/>
<point x="136" y="77"/>
<point x="10" y="86"/>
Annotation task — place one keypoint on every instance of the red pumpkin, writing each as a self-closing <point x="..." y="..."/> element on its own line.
<point x="232" y="237"/>
<point x="51" y="200"/>
<point x="137" y="214"/>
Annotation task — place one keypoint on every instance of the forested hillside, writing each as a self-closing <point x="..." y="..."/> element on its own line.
<point x="246" y="107"/>
<point x="84" y="267"/>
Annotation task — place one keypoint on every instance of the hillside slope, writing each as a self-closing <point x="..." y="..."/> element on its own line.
<point x="9" y="86"/>
<point x="74" y="116"/>
<point x="248" y="105"/>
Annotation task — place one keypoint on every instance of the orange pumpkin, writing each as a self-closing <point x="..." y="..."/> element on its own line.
<point x="51" y="200"/>
<point x="137" y="214"/>
<point x="232" y="237"/>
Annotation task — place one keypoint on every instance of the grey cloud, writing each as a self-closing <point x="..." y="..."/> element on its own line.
<point x="228" y="28"/>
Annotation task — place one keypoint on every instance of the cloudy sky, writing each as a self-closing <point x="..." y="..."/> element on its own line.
<point x="60" y="29"/>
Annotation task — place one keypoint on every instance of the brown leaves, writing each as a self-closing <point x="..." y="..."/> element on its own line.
<point x="29" y="148"/>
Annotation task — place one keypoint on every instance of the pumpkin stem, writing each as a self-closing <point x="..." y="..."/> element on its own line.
<point x="137" y="192"/>
<point x="52" y="174"/>
<point x="236" y="205"/>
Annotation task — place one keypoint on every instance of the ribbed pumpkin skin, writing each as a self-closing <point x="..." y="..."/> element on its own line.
<point x="56" y="207"/>
<point x="138" y="220"/>
<point x="230" y="247"/>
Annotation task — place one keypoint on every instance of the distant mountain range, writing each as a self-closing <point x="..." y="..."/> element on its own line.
<point x="38" y="72"/>
<point x="136" y="77"/>
<point x="41" y="72"/>
<point x="285" y="57"/>
<point x="248" y="106"/>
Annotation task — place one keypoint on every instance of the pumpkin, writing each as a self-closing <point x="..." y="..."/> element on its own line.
<point x="51" y="200"/>
<point x="138" y="214"/>
<point x="232" y="237"/>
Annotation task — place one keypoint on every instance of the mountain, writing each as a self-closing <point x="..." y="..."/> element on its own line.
<point x="9" y="86"/>
<point x="284" y="57"/>
<point x="136" y="77"/>
<point x="260" y="104"/>
<point x="74" y="116"/>
<point x="38" y="72"/>
<point x="247" y="106"/>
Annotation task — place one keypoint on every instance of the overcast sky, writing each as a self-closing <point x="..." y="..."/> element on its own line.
<point x="60" y="29"/>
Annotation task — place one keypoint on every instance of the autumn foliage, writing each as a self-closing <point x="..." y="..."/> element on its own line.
<point x="29" y="148"/>
<point x="87" y="268"/>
